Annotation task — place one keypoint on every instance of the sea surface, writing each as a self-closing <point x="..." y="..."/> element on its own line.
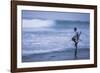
<point x="55" y="40"/>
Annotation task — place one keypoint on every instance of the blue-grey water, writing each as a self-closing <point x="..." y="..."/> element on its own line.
<point x="41" y="42"/>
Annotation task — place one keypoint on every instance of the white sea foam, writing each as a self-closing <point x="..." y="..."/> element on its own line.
<point x="49" y="43"/>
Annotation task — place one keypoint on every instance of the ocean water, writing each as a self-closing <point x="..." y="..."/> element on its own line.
<point x="55" y="38"/>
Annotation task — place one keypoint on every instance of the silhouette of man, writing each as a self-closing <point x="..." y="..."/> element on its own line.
<point x="75" y="39"/>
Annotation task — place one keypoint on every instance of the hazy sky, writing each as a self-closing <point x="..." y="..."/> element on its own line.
<point x="51" y="15"/>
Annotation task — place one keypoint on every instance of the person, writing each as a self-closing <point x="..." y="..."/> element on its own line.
<point x="75" y="39"/>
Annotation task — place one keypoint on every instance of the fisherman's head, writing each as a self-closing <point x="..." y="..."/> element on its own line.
<point x="75" y="29"/>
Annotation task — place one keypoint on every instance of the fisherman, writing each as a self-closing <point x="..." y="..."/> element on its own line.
<point x="75" y="39"/>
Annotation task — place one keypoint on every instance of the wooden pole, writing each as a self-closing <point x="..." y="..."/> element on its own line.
<point x="75" y="50"/>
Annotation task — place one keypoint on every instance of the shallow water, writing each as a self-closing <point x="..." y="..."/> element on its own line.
<point x="58" y="55"/>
